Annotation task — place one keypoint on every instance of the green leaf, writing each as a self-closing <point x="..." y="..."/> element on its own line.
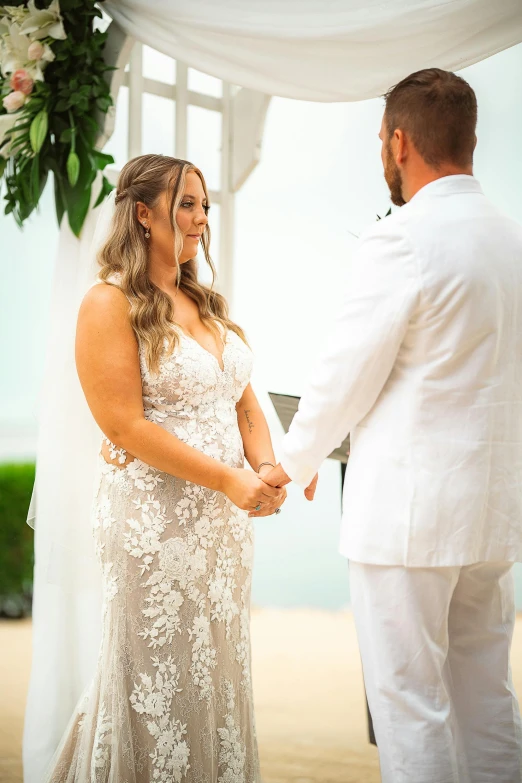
<point x="77" y="210"/>
<point x="3" y="164"/>
<point x="62" y="105"/>
<point x="38" y="130"/>
<point x="106" y="188"/>
<point x="73" y="168"/>
<point x="102" y="159"/>
<point x="35" y="179"/>
<point x="77" y="198"/>
<point x="58" y="199"/>
<point x="104" y="103"/>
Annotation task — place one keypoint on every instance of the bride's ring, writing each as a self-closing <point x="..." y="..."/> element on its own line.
<point x="258" y="507"/>
<point x="277" y="511"/>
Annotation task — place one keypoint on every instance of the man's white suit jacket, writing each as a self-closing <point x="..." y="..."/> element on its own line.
<point x="424" y="369"/>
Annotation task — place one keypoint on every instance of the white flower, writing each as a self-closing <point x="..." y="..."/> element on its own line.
<point x="172" y="602"/>
<point x="14" y="54"/>
<point x="14" y="101"/>
<point x="247" y="552"/>
<point x="154" y="704"/>
<point x="44" y="23"/>
<point x="110" y="582"/>
<point x="199" y="563"/>
<point x="143" y="476"/>
<point x="14" y="50"/>
<point x="173" y="558"/>
<point x="48" y="55"/>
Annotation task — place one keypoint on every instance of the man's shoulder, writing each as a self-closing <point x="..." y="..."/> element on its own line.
<point x="388" y="236"/>
<point x="393" y="225"/>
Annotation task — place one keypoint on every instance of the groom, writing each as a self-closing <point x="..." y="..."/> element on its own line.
<point x="424" y="369"/>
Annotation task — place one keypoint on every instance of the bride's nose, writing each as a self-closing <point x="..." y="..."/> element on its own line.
<point x="201" y="218"/>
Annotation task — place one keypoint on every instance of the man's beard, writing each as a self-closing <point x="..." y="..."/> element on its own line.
<point x="393" y="178"/>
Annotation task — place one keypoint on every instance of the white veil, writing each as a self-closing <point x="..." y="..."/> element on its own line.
<point x="67" y="581"/>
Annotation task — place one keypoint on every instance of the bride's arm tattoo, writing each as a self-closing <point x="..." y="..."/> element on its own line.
<point x="254" y="430"/>
<point x="250" y="423"/>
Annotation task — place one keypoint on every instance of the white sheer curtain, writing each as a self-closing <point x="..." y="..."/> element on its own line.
<point x="323" y="50"/>
<point x="67" y="584"/>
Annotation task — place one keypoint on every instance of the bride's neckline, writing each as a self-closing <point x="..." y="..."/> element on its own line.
<point x="220" y="362"/>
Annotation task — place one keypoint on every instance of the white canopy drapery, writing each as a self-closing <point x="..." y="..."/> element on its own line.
<point x="321" y="50"/>
<point x="324" y="50"/>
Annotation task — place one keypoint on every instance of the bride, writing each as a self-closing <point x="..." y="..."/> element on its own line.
<point x="166" y="375"/>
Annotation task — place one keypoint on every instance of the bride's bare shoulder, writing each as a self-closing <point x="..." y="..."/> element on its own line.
<point x="103" y="299"/>
<point x="107" y="305"/>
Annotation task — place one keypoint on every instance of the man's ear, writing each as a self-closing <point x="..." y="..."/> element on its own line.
<point x="400" y="143"/>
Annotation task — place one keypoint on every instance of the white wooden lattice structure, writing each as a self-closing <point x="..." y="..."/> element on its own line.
<point x="242" y="114"/>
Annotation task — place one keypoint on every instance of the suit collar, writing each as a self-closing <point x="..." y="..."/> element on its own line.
<point x="447" y="186"/>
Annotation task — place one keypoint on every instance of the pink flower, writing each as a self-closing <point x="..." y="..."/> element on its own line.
<point x="36" y="51"/>
<point x="14" y="101"/>
<point x="21" y="81"/>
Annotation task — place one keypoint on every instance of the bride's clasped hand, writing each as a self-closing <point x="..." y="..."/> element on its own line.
<point x="249" y="490"/>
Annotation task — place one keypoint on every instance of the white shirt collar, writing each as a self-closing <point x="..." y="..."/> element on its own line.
<point x="445" y="186"/>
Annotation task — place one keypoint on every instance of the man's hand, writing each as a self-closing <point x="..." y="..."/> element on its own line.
<point x="310" y="490"/>
<point x="278" y="478"/>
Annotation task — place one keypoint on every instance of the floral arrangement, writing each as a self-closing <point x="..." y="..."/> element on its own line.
<point x="53" y="94"/>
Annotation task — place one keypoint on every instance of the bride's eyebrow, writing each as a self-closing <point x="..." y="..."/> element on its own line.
<point x="187" y="195"/>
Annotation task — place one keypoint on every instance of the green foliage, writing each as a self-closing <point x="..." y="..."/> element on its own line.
<point x="58" y="127"/>
<point x="38" y="131"/>
<point x="16" y="539"/>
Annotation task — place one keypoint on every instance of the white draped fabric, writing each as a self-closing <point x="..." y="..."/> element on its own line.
<point x="67" y="584"/>
<point x="322" y="50"/>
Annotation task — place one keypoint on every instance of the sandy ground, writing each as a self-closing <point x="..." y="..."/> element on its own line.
<point x="310" y="705"/>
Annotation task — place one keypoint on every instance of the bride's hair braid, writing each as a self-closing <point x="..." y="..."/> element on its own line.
<point x="125" y="254"/>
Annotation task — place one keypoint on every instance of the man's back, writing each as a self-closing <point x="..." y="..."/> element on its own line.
<point x="435" y="474"/>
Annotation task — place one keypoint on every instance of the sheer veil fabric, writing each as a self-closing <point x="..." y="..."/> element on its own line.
<point x="67" y="581"/>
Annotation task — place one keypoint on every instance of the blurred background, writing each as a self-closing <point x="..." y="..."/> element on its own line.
<point x="318" y="185"/>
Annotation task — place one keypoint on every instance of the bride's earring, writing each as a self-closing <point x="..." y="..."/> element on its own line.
<point x="147" y="232"/>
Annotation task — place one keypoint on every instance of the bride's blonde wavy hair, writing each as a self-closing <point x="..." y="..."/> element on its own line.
<point x="125" y="256"/>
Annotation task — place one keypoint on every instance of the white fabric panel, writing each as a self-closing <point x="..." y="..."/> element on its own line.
<point x="67" y="579"/>
<point x="321" y="50"/>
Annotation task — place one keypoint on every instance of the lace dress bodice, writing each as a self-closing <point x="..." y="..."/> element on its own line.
<point x="195" y="399"/>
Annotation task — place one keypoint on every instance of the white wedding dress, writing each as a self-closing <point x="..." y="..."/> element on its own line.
<point x="172" y="696"/>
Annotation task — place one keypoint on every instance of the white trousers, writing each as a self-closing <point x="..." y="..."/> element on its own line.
<point x="435" y="646"/>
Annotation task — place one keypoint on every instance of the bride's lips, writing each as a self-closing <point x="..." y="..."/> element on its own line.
<point x="194" y="236"/>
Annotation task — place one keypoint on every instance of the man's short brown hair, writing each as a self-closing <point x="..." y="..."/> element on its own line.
<point x="438" y="111"/>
